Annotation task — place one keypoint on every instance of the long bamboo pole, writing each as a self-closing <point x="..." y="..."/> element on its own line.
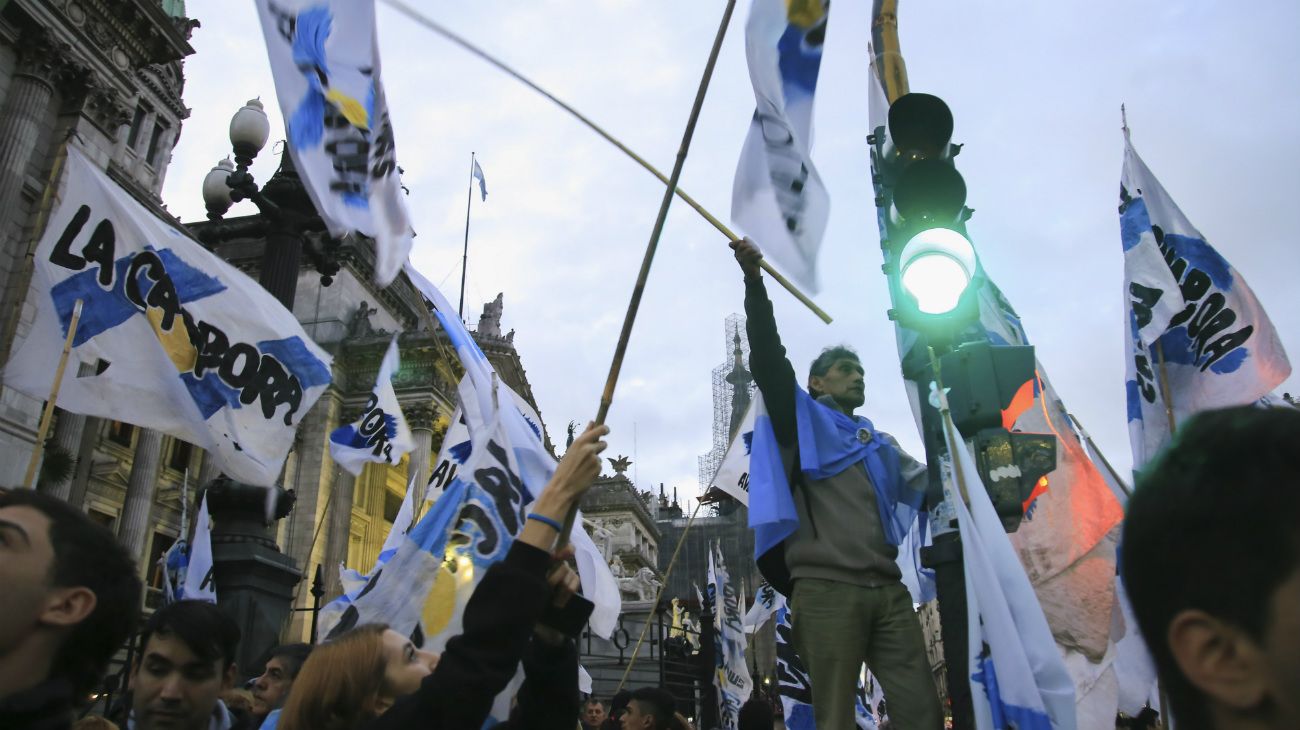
<point x="658" y="594"/>
<point x="638" y="289"/>
<point x="432" y="25"/>
<point x="48" y="415"/>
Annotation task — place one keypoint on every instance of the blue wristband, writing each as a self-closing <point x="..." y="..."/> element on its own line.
<point x="546" y="521"/>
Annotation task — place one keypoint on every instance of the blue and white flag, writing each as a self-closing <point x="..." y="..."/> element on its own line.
<point x="396" y="591"/>
<point x="794" y="685"/>
<point x="200" y="583"/>
<point x="325" y="61"/>
<point x="731" y="672"/>
<point x="380" y="435"/>
<point x="185" y="343"/>
<point x="515" y="433"/>
<point x="778" y="199"/>
<point x="763" y="607"/>
<point x="482" y="182"/>
<point x="732" y="476"/>
<point x="1017" y="676"/>
<point x="1196" y="331"/>
<point x="352" y="580"/>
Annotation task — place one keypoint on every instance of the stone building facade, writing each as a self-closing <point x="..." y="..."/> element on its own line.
<point x="109" y="72"/>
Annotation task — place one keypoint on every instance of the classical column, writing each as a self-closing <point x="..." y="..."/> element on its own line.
<point x="133" y="525"/>
<point x="339" y="535"/>
<point x="420" y="419"/>
<point x="21" y="120"/>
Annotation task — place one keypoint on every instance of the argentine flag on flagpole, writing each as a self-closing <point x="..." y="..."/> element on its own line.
<point x="482" y="183"/>
<point x="199" y="582"/>
<point x="380" y="435"/>
<point x="1017" y="676"/>
<point x="1189" y="310"/>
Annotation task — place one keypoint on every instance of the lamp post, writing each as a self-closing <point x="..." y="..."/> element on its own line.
<point x="286" y="208"/>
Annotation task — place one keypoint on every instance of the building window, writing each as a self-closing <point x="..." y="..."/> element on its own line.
<point x="102" y="519"/>
<point x="180" y="455"/>
<point x="120" y="433"/>
<point x="392" y="505"/>
<point x="154" y="142"/>
<point x="137" y="122"/>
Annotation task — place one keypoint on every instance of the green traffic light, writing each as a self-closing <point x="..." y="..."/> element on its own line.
<point x="937" y="265"/>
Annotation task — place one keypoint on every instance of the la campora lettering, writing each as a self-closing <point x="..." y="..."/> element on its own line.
<point x="255" y="375"/>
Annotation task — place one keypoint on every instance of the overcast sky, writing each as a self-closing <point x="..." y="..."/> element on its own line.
<point x="1035" y="88"/>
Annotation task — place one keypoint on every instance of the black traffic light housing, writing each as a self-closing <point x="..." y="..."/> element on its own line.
<point x="919" y="191"/>
<point x="990" y="385"/>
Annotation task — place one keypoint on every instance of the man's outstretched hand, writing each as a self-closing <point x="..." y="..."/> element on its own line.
<point x="748" y="256"/>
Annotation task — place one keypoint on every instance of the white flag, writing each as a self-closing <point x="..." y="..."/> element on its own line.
<point x="519" y="428"/>
<point x="1190" y="309"/>
<point x="1016" y="673"/>
<point x="185" y="343"/>
<point x="732" y="476"/>
<point x="778" y="198"/>
<point x="199" y="581"/>
<point x="731" y="674"/>
<point x="765" y="602"/>
<point x="325" y="60"/>
<point x="380" y="434"/>
<point x="482" y="182"/>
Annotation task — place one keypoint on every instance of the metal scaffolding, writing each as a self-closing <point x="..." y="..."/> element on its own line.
<point x="734" y="330"/>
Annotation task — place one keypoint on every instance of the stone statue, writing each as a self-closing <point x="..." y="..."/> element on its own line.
<point x="640" y="587"/>
<point x="616" y="567"/>
<point x="490" y="322"/>
<point x="359" y="324"/>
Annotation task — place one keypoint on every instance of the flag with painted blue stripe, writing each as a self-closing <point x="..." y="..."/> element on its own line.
<point x="1195" y="330"/>
<point x="184" y="343"/>
<point x="778" y="198"/>
<point x="731" y="672"/>
<point x="380" y="434"/>
<point x="325" y="62"/>
<point x="1017" y="676"/>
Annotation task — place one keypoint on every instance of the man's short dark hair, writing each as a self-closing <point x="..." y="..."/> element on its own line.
<point x="658" y="703"/>
<point x="292" y="656"/>
<point x="86" y="554"/>
<point x="201" y="626"/>
<point x="1213" y="525"/>
<point x="828" y="357"/>
<point x="756" y="714"/>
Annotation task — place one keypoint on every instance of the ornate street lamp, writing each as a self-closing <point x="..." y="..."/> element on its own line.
<point x="286" y="208"/>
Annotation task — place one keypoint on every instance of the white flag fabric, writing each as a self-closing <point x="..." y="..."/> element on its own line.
<point x="778" y="198"/>
<point x="482" y="182"/>
<point x="1188" y="307"/>
<point x="732" y="476"/>
<point x="380" y="435"/>
<point x="185" y="343"/>
<point x="520" y="428"/>
<point x="763" y="607"/>
<point x="731" y="672"/>
<point x="199" y="581"/>
<point x="1017" y="676"/>
<point x="451" y="456"/>
<point x="325" y="61"/>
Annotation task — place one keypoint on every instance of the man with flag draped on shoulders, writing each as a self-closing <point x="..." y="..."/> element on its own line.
<point x="830" y="500"/>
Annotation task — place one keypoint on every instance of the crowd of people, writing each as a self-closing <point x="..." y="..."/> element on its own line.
<point x="1210" y="560"/>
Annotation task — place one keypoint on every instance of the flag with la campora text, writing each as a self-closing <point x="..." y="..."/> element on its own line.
<point x="182" y="342"/>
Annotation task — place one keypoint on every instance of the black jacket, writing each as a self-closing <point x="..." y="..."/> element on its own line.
<point x="47" y="706"/>
<point x="479" y="663"/>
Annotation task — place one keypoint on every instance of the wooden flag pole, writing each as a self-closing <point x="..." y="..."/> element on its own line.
<point x="427" y="22"/>
<point x="616" y="365"/>
<point x="44" y="429"/>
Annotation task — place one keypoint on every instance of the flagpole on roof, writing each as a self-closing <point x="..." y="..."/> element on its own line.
<point x="464" y="261"/>
<point x="415" y="15"/>
<point x="43" y="431"/>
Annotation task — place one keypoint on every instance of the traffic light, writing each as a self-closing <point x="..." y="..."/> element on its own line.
<point x="990" y="386"/>
<point x="934" y="273"/>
